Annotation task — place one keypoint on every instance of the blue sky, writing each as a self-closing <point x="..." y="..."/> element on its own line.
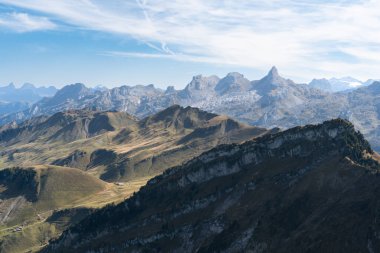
<point x="167" y="42"/>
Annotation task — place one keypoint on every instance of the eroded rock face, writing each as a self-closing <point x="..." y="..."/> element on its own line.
<point x="309" y="189"/>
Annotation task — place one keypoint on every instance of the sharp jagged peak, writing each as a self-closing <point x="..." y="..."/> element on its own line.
<point x="273" y="72"/>
<point x="273" y="76"/>
<point x="270" y="82"/>
<point x="11" y="85"/>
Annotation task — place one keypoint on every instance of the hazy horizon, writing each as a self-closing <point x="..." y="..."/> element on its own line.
<point x="19" y="85"/>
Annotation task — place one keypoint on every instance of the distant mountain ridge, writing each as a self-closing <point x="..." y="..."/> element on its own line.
<point x="339" y="84"/>
<point x="14" y="99"/>
<point x="26" y="93"/>
<point x="272" y="101"/>
<point x="142" y="101"/>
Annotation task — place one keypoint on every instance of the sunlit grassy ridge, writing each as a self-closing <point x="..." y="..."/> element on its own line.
<point x="29" y="223"/>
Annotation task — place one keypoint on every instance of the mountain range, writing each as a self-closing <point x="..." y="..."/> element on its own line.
<point x="339" y="84"/>
<point x="272" y="101"/>
<point x="26" y="93"/>
<point x="14" y="99"/>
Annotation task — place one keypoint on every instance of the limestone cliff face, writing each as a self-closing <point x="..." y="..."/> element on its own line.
<point x="312" y="188"/>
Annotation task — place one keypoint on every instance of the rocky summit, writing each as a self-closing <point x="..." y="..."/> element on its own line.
<point x="307" y="189"/>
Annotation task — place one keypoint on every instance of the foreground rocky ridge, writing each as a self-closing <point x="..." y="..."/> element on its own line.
<point x="302" y="190"/>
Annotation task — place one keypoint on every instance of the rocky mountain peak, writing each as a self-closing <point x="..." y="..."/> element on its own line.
<point x="321" y="84"/>
<point x="233" y="82"/>
<point x="373" y="89"/>
<point x="72" y="91"/>
<point x="273" y="76"/>
<point x="201" y="82"/>
<point x="11" y="86"/>
<point x="170" y="90"/>
<point x="76" y="87"/>
<point x="197" y="77"/>
<point x="273" y="72"/>
<point x="270" y="82"/>
<point x="199" y="87"/>
<point x="28" y="86"/>
<point x="235" y="75"/>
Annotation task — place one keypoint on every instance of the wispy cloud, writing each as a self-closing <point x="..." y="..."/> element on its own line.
<point x="303" y="38"/>
<point x="23" y="22"/>
<point x="172" y="56"/>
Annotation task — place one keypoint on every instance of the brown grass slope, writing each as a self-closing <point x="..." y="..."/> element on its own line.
<point x="65" y="127"/>
<point x="43" y="188"/>
<point x="308" y="189"/>
<point x="29" y="195"/>
<point x="38" y="203"/>
<point x="116" y="147"/>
